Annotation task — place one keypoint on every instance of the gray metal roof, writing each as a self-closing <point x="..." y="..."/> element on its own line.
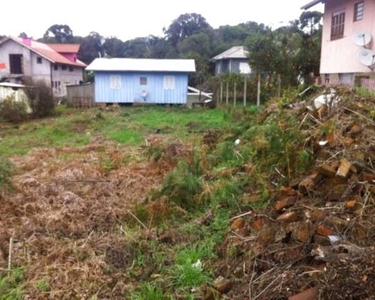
<point x="234" y="52"/>
<point x="311" y="4"/>
<point x="142" y="65"/>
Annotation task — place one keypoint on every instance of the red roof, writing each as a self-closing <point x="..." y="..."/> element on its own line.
<point x="65" y="48"/>
<point x="47" y="52"/>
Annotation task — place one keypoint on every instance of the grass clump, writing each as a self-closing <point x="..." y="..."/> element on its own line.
<point x="6" y="170"/>
<point x="11" y="286"/>
<point x="148" y="291"/>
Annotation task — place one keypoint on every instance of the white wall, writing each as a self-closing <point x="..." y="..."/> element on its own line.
<point x="66" y="77"/>
<point x="11" y="47"/>
<point x="40" y="71"/>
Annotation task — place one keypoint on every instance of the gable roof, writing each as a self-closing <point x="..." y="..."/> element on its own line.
<point x="46" y="51"/>
<point x="65" y="48"/>
<point x="311" y="4"/>
<point x="234" y="52"/>
<point x="142" y="65"/>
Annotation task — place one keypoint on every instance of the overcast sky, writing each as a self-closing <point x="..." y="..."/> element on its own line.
<point x="129" y="19"/>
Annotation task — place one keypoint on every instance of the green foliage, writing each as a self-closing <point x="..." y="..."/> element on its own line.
<point x="13" y="111"/>
<point x="188" y="271"/>
<point x="148" y="291"/>
<point x="42" y="285"/>
<point x="182" y="184"/>
<point x="58" y="34"/>
<point x="364" y="92"/>
<point x="11" y="286"/>
<point x="40" y="98"/>
<point x="6" y="170"/>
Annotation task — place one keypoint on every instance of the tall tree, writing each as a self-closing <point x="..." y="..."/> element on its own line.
<point x="91" y="47"/>
<point x="58" y="34"/>
<point x="184" y="26"/>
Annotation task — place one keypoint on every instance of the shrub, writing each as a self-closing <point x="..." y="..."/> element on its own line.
<point x="12" y="110"/>
<point x="40" y="98"/>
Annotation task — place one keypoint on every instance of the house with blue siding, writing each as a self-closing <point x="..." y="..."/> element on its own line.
<point x="133" y="80"/>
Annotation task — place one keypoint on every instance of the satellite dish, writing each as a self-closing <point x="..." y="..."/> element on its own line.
<point x="367" y="57"/>
<point x="362" y="38"/>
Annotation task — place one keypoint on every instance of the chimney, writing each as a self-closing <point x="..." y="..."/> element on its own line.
<point x="26" y="41"/>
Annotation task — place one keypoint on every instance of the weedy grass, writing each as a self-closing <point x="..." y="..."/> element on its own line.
<point x="11" y="285"/>
<point x="6" y="170"/>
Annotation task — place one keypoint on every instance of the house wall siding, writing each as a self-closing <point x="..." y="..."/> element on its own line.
<point x="131" y="90"/>
<point x="341" y="55"/>
<point x="40" y="71"/>
<point x="228" y="65"/>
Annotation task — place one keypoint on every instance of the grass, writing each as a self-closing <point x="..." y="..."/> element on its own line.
<point x="127" y="126"/>
<point x="6" y="170"/>
<point x="11" y="285"/>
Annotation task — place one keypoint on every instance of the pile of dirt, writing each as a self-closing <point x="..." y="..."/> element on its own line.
<point x="65" y="214"/>
<point x="318" y="239"/>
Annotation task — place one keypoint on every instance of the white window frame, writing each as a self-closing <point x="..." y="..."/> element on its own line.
<point x="244" y="68"/>
<point x="169" y="83"/>
<point x="115" y="82"/>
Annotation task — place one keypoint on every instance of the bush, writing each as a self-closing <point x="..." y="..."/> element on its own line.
<point x="40" y="98"/>
<point x="12" y="110"/>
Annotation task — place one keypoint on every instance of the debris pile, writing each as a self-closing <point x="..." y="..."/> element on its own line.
<point x="318" y="238"/>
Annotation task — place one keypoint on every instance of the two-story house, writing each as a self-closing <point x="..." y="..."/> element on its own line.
<point x="348" y="43"/>
<point x="56" y="64"/>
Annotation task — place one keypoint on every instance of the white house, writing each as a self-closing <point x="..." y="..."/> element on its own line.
<point x="233" y="60"/>
<point x="56" y="64"/>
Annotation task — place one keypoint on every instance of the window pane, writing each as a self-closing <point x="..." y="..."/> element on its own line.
<point x="115" y="82"/>
<point x="143" y="80"/>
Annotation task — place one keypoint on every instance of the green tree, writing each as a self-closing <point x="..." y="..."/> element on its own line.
<point x="185" y="25"/>
<point x="58" y="34"/>
<point x="91" y="47"/>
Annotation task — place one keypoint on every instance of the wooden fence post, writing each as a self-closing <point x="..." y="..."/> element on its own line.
<point x="227" y="96"/>
<point x="235" y="95"/>
<point x="221" y="91"/>
<point x="244" y="93"/>
<point x="258" y="95"/>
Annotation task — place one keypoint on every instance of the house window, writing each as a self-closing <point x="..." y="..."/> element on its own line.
<point x="338" y="25"/>
<point x="63" y="67"/>
<point x="71" y="69"/>
<point x="56" y="67"/>
<point x="38" y="60"/>
<point x="15" y="62"/>
<point x="169" y="82"/>
<point x="143" y="81"/>
<point x="115" y="82"/>
<point x="358" y="11"/>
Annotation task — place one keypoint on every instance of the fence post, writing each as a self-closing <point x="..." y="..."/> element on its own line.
<point x="258" y="95"/>
<point x="227" y="96"/>
<point x="235" y="94"/>
<point x="279" y="86"/>
<point x="221" y="91"/>
<point x="244" y="93"/>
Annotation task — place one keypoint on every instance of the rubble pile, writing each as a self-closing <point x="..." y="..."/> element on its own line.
<point x="317" y="241"/>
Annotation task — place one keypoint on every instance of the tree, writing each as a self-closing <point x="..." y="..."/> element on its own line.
<point x="58" y="34"/>
<point x="137" y="48"/>
<point x="23" y="35"/>
<point x="185" y="25"/>
<point x="113" y="47"/>
<point x="311" y="20"/>
<point x="91" y="47"/>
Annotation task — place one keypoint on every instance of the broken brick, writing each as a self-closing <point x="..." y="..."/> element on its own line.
<point x="336" y="193"/>
<point x="238" y="224"/>
<point x="287" y="191"/>
<point x="344" y="169"/>
<point x="301" y="231"/>
<point x="369" y="177"/>
<point x="324" y="231"/>
<point x="223" y="286"/>
<point x="311" y="294"/>
<point x="351" y="204"/>
<point x="285" y="202"/>
<point x="355" y="130"/>
<point x="289" y="217"/>
<point x="308" y="183"/>
<point x="327" y="171"/>
<point x="257" y="224"/>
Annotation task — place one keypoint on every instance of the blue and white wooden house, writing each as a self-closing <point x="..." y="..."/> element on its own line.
<point x="131" y="80"/>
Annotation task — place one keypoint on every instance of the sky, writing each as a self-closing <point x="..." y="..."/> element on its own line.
<point x="130" y="19"/>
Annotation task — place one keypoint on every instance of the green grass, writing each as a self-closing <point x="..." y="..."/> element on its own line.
<point x="127" y="126"/>
<point x="11" y="285"/>
<point x="6" y="170"/>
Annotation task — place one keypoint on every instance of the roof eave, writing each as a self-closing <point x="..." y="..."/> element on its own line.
<point x="311" y="4"/>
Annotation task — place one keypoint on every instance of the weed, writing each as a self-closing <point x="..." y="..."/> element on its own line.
<point x="181" y="185"/>
<point x="11" y="286"/>
<point x="13" y="111"/>
<point x="148" y="291"/>
<point x="6" y="170"/>
<point x="42" y="285"/>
